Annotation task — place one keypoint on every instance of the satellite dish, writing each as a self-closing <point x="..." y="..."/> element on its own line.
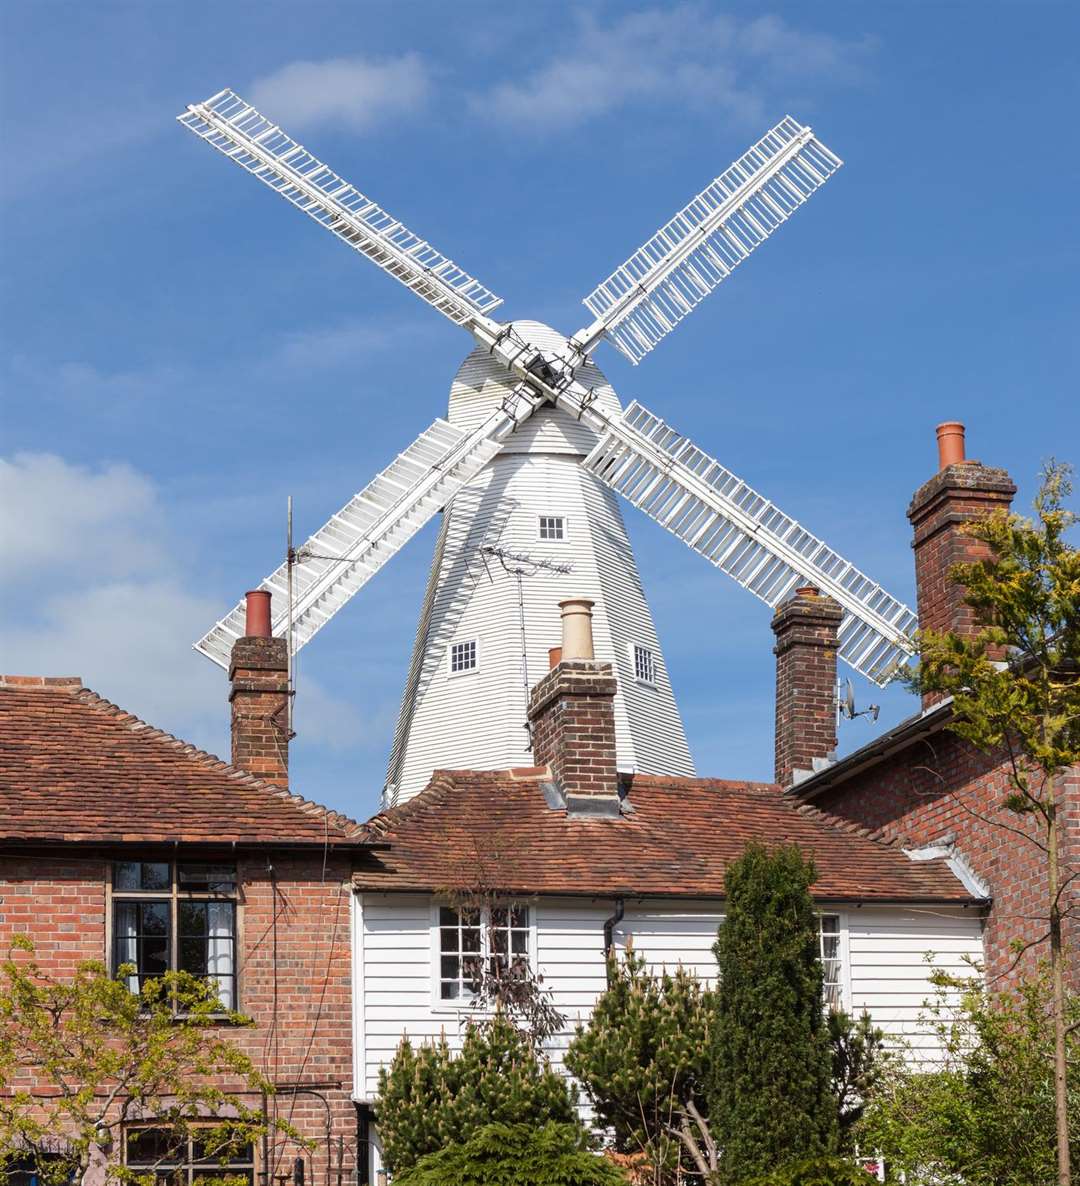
<point x="849" y="700"/>
<point x="845" y="703"/>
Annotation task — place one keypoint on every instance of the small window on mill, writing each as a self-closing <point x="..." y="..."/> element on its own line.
<point x="463" y="657"/>
<point x="644" y="665"/>
<point x="552" y="527"/>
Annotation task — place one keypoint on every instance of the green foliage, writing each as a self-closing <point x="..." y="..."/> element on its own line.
<point x="858" y="1051"/>
<point x="771" y="1101"/>
<point x="644" y="1054"/>
<point x="985" y="1113"/>
<point x="429" y="1099"/>
<point x="816" y="1171"/>
<point x="107" y="1055"/>
<point x="515" y="1155"/>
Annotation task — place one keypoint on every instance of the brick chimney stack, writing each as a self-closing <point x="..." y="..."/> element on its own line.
<point x="959" y="492"/>
<point x="259" y="696"/>
<point x="806" y="627"/>
<point x="572" y="717"/>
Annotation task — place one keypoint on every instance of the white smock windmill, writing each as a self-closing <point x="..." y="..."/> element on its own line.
<point x="527" y="463"/>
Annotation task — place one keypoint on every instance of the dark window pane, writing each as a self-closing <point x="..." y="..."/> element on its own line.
<point x="215" y="879"/>
<point x="519" y="942"/>
<point x="155" y="918"/>
<point x="470" y="918"/>
<point x="470" y="939"/>
<point x="498" y="942"/>
<point x="498" y="917"/>
<point x="151" y="1145"/>
<point x="193" y="956"/>
<point x="141" y="875"/>
<point x="448" y="940"/>
<point x="447" y="917"/>
<point x="449" y="967"/>
<point x="208" y="1147"/>
<point x="519" y="916"/>
<point x="193" y="918"/>
<point x="448" y="990"/>
<point x="153" y="957"/>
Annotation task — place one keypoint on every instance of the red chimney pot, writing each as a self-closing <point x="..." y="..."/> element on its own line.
<point x="950" y="443"/>
<point x="257" y="623"/>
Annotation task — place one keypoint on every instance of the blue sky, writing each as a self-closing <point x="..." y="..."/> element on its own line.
<point x="181" y="350"/>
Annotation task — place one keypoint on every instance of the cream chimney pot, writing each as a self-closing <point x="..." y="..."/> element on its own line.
<point x="577" y="642"/>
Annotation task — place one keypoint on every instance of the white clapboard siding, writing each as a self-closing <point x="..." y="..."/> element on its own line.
<point x="476" y="720"/>
<point x="890" y="972"/>
<point x="885" y="953"/>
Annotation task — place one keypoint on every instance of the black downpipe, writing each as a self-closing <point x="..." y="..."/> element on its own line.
<point x="363" y="1144"/>
<point x="609" y="934"/>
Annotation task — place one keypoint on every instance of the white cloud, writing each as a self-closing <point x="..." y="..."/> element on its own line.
<point x="685" y="56"/>
<point x="94" y="589"/>
<point x="355" y="93"/>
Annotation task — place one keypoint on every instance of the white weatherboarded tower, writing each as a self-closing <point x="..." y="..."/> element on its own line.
<point x="526" y="467"/>
<point x="493" y="617"/>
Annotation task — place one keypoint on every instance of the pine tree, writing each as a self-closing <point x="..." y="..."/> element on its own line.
<point x="771" y="1100"/>
<point x="643" y="1055"/>
<point x="429" y="1099"/>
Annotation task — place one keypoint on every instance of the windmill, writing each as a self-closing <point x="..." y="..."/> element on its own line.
<point x="533" y="450"/>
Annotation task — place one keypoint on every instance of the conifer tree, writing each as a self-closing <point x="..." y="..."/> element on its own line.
<point x="428" y="1098"/>
<point x="771" y="1100"/>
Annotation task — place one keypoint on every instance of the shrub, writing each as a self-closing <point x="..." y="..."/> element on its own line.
<point x="643" y="1055"/>
<point x="771" y="1100"/>
<point x="817" y="1171"/>
<point x="429" y="1099"/>
<point x="515" y="1155"/>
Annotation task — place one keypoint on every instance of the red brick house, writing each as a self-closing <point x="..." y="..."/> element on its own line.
<point x="120" y="843"/>
<point x="919" y="785"/>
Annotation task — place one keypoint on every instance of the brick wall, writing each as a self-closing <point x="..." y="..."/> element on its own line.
<point x="294" y="963"/>
<point x="943" y="789"/>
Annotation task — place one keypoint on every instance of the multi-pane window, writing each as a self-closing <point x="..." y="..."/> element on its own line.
<point x="833" y="987"/>
<point x="468" y="938"/>
<point x="552" y="527"/>
<point x="176" y="915"/>
<point x="462" y="656"/>
<point x="644" y="665"/>
<point x="187" y="1160"/>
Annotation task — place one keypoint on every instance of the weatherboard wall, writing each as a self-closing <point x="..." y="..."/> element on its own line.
<point x="888" y="956"/>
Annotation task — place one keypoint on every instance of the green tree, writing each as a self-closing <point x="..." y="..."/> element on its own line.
<point x="429" y="1098"/>
<point x="643" y="1057"/>
<point x="515" y="1155"/>
<point x="984" y="1114"/>
<point x="771" y="1100"/>
<point x="1015" y="689"/>
<point x="102" y="1056"/>
<point x="858" y="1057"/>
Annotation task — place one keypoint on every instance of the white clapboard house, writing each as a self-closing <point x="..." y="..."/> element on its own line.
<point x="587" y="860"/>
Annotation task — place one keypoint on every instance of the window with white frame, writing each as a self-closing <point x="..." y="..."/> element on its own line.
<point x="190" y="1159"/>
<point x="463" y="657"/>
<point x="175" y="916"/>
<point x="552" y="527"/>
<point x="470" y="939"/>
<point x="644" y="665"/>
<point x="831" y="962"/>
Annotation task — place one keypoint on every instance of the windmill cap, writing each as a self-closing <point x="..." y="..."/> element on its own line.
<point x="950" y="443"/>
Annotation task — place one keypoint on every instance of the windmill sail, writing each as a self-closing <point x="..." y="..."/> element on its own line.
<point x="345" y="553"/>
<point x="744" y="535"/>
<point x="236" y="129"/>
<point x="667" y="277"/>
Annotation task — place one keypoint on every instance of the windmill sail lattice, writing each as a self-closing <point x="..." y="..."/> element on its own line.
<point x="667" y="277"/>
<point x="245" y="136"/>
<point x="347" y="551"/>
<point x="723" y="519"/>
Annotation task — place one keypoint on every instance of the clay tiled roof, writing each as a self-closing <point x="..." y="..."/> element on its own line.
<point x="496" y="829"/>
<point x="75" y="768"/>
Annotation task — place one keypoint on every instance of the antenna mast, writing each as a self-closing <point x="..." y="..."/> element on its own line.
<point x="290" y="560"/>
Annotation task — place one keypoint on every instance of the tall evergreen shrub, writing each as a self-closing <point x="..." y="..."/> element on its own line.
<point x="771" y="1101"/>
